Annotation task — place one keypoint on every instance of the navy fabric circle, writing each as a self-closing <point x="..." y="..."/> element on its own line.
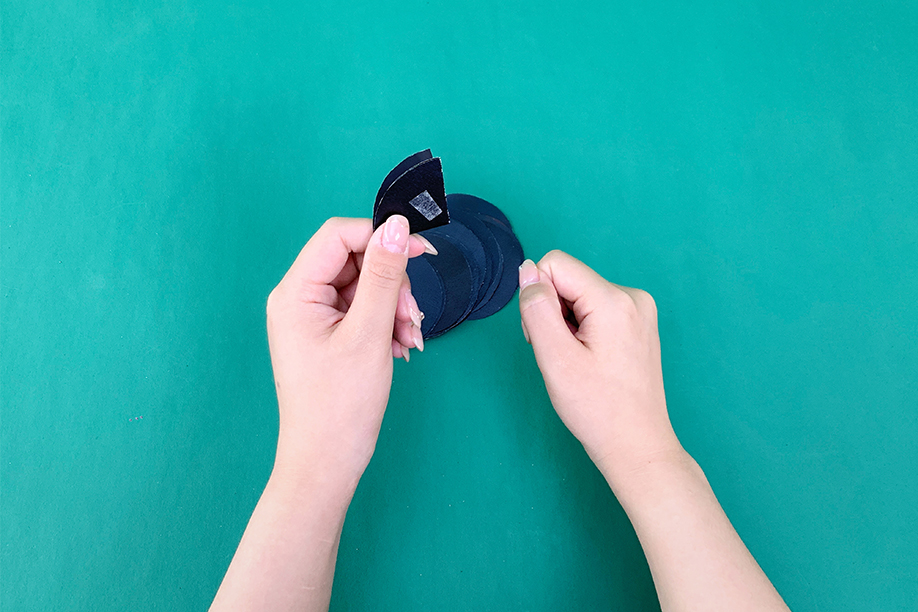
<point x="478" y="206"/>
<point x="453" y="269"/>
<point x="476" y="272"/>
<point x="427" y="289"/>
<point x="474" y="251"/>
<point x="493" y="257"/>
<point x="512" y="252"/>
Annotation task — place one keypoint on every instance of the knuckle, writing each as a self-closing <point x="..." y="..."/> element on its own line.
<point x="275" y="306"/>
<point x="332" y="226"/>
<point x="332" y="223"/>
<point x="552" y="255"/>
<point x="384" y="273"/>
<point x="623" y="309"/>
<point x="532" y="297"/>
<point x="619" y="300"/>
<point x="645" y="302"/>
<point x="271" y="304"/>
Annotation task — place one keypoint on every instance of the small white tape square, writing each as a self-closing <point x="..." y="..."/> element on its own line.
<point x="425" y="205"/>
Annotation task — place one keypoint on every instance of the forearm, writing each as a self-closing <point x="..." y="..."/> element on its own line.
<point x="697" y="559"/>
<point x="286" y="559"/>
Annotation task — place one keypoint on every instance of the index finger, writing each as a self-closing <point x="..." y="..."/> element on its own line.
<point x="326" y="254"/>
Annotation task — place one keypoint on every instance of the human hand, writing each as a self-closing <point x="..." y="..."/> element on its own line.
<point x="598" y="348"/>
<point x="335" y="322"/>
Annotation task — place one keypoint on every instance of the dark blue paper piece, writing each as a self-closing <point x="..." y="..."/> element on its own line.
<point x="512" y="253"/>
<point x="456" y="275"/>
<point x="478" y="206"/>
<point x="427" y="289"/>
<point x="493" y="257"/>
<point x="418" y="194"/>
<point x="457" y="234"/>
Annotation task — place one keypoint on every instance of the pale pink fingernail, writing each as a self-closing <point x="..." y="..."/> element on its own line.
<point x="405" y="353"/>
<point x="418" y="338"/>
<point x="428" y="247"/>
<point x="529" y="274"/>
<point x="395" y="234"/>
<point x="414" y="312"/>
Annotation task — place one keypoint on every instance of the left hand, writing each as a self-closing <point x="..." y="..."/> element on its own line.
<point x="335" y="322"/>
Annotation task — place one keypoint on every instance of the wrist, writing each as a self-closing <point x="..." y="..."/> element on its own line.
<point x="321" y="457"/>
<point x="308" y="485"/>
<point x="640" y="478"/>
<point x="298" y="469"/>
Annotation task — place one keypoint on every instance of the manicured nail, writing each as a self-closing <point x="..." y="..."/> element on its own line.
<point x="529" y="274"/>
<point x="405" y="353"/>
<point x="395" y="234"/>
<point x="414" y="312"/>
<point x="418" y="338"/>
<point x="428" y="247"/>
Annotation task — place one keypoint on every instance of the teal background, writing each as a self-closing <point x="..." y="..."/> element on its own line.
<point x="753" y="165"/>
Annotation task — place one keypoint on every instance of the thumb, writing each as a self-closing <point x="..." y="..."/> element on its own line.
<point x="540" y="310"/>
<point x="372" y="311"/>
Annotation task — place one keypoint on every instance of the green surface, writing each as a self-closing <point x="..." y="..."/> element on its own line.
<point x="755" y="167"/>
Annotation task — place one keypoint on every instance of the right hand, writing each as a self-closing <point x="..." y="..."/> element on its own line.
<point x="335" y="321"/>
<point x="598" y="348"/>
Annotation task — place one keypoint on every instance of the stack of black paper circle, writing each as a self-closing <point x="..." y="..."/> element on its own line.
<point x="476" y="270"/>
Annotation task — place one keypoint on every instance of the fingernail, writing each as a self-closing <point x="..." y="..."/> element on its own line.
<point x="529" y="274"/>
<point x="414" y="312"/>
<point x="418" y="338"/>
<point x="428" y="247"/>
<point x="405" y="353"/>
<point x="395" y="234"/>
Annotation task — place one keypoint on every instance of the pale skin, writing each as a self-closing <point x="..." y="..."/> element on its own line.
<point x="332" y="342"/>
